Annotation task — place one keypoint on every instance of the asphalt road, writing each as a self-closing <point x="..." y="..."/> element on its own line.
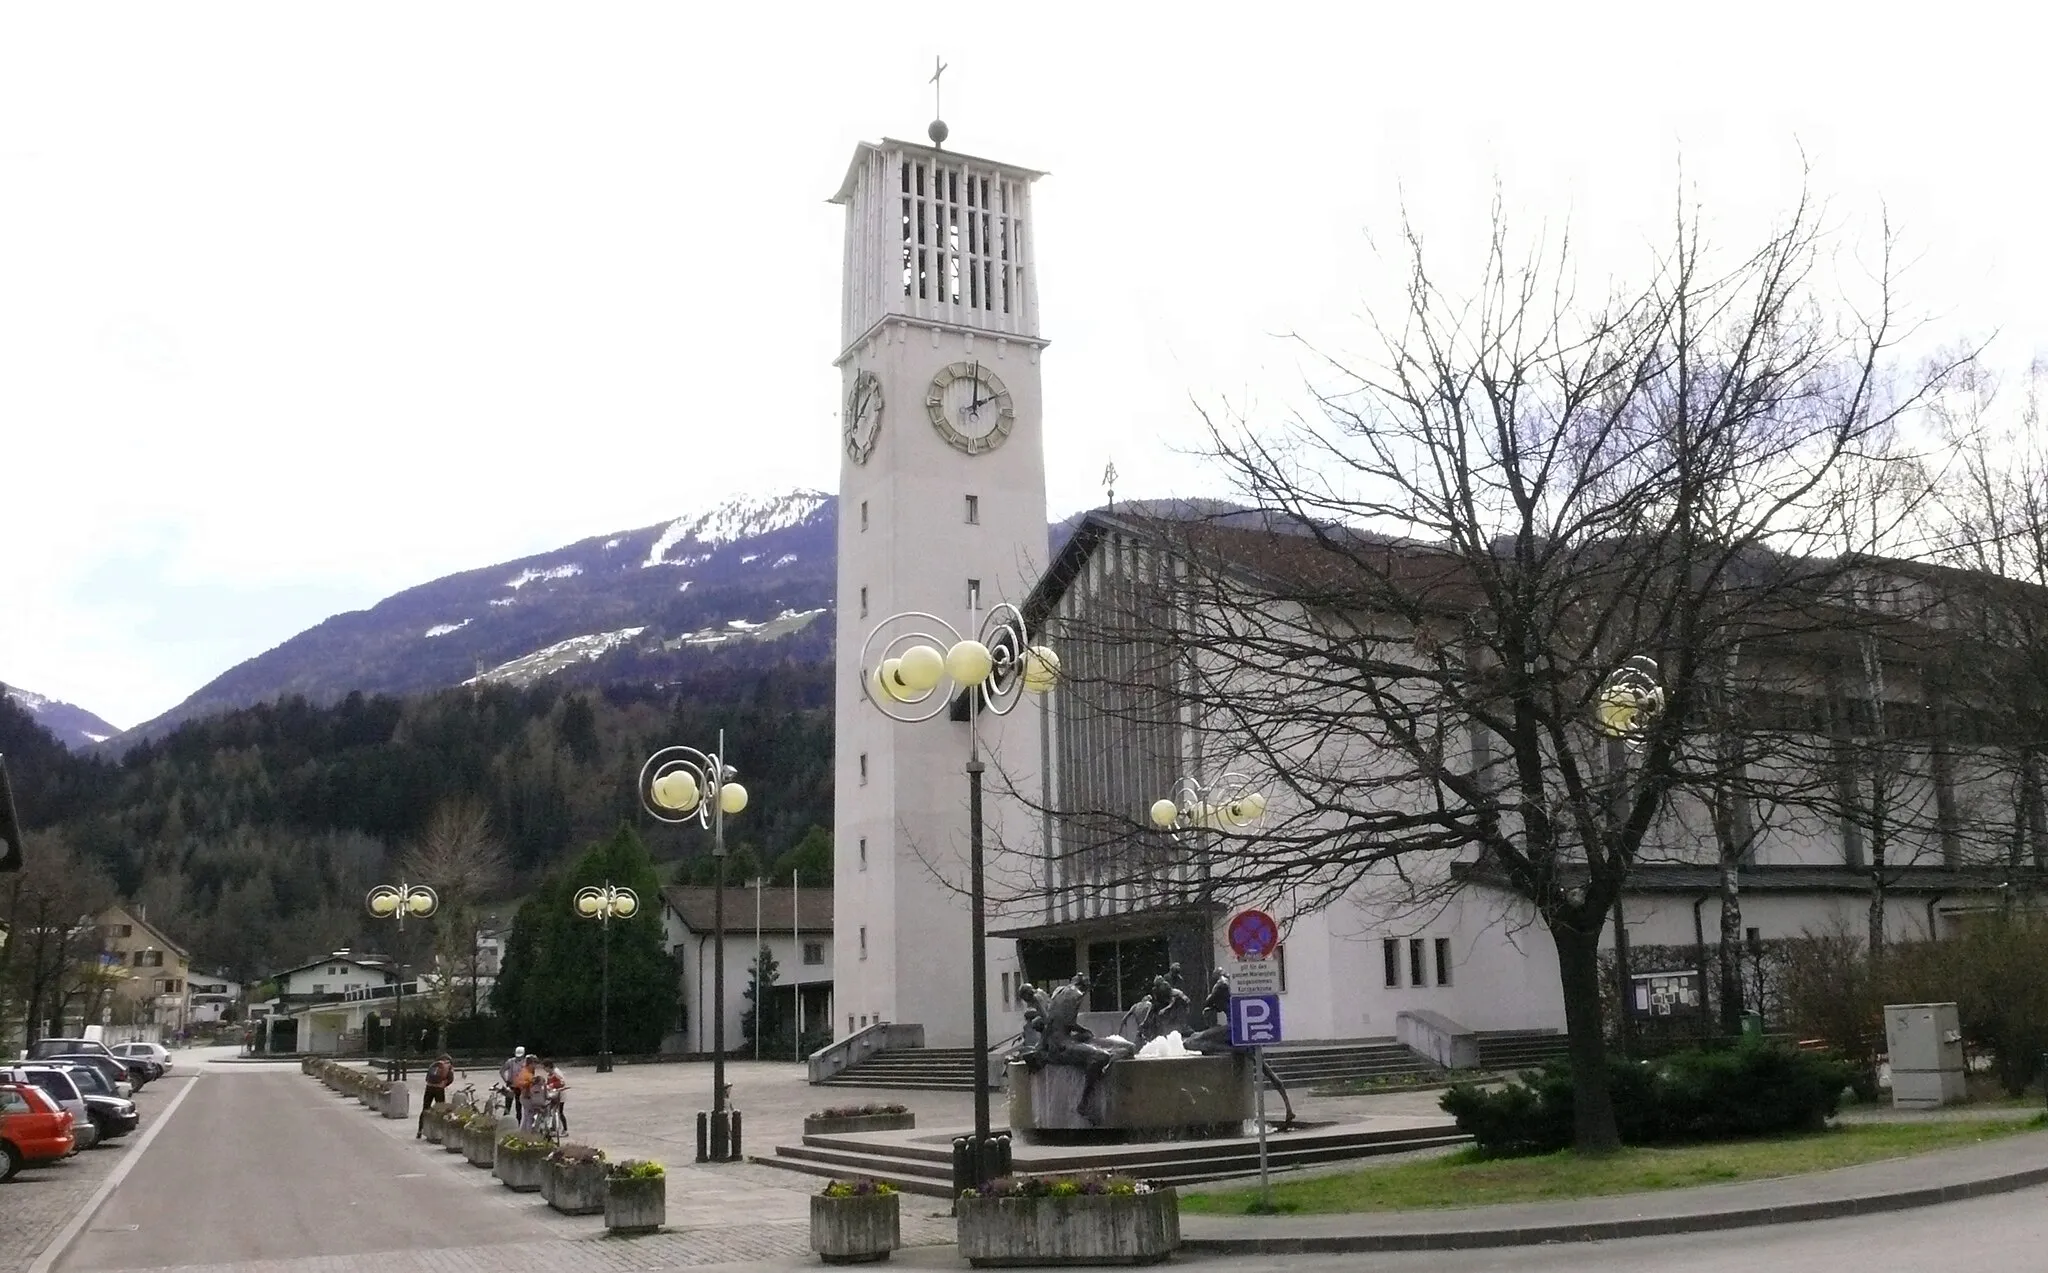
<point x="257" y="1163"/>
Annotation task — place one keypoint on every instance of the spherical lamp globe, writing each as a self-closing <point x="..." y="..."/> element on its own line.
<point x="676" y="790"/>
<point x="1163" y="813"/>
<point x="920" y="668"/>
<point x="589" y="904"/>
<point x="732" y="797"/>
<point x="624" y="905"/>
<point x="420" y="903"/>
<point x="969" y="662"/>
<point x="384" y="904"/>
<point x="1041" y="669"/>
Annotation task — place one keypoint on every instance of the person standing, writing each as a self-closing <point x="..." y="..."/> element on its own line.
<point x="439" y="1075"/>
<point x="552" y="1086"/>
<point x="508" y="1074"/>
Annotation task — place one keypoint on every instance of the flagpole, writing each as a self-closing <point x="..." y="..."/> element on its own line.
<point x="796" y="984"/>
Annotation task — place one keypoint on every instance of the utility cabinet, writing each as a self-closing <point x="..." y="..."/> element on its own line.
<point x="1925" y="1041"/>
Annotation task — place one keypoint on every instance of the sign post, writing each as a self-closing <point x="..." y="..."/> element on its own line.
<point x="1255" y="1013"/>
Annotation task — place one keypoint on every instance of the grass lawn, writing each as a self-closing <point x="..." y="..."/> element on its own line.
<point x="1463" y="1179"/>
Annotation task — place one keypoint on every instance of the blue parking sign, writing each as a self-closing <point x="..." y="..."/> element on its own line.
<point x="1254" y="1020"/>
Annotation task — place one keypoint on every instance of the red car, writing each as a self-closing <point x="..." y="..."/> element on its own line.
<point x="33" y="1128"/>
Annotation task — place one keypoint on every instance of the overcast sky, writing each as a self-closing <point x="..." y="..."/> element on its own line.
<point x="302" y="304"/>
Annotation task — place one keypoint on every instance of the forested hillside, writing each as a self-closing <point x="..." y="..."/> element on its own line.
<point x="253" y="835"/>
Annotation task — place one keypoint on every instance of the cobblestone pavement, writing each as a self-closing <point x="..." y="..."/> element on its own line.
<point x="41" y="1200"/>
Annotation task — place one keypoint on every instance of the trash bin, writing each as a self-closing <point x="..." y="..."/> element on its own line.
<point x="1752" y="1025"/>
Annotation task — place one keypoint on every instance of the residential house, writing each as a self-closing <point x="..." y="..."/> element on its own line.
<point x="150" y="972"/>
<point x="794" y="924"/>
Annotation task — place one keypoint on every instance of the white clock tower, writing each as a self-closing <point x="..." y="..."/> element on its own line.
<point x="941" y="509"/>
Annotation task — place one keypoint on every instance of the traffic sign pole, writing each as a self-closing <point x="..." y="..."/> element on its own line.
<point x="1259" y="1108"/>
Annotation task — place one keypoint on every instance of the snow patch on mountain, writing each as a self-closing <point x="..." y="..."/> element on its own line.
<point x="528" y="576"/>
<point x="443" y="629"/>
<point x="742" y="518"/>
<point x="528" y="668"/>
<point x="71" y="724"/>
<point x="746" y="630"/>
<point x="782" y="561"/>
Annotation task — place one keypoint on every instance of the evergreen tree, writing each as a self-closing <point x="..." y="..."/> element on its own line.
<point x="810" y="861"/>
<point x="762" y="1012"/>
<point x="560" y="997"/>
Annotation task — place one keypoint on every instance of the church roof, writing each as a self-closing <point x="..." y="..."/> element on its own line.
<point x="695" y="904"/>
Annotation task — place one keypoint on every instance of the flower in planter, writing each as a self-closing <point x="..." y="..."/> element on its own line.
<point x="1089" y="1184"/>
<point x="636" y="1169"/>
<point x="575" y="1154"/>
<point x="516" y="1143"/>
<point x="858" y="1187"/>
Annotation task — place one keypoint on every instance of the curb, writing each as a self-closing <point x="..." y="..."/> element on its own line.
<point x="1633" y="1227"/>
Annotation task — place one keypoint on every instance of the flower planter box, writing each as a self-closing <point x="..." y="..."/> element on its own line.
<point x="635" y="1206"/>
<point x="435" y="1125"/>
<point x="856" y="1230"/>
<point x="1137" y="1228"/>
<point x="574" y="1189"/>
<point x="480" y="1145"/>
<point x="819" y="1125"/>
<point x="397" y="1101"/>
<point x="520" y="1169"/>
<point x="452" y="1134"/>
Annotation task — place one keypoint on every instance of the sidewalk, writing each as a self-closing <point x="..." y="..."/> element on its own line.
<point x="1924" y="1180"/>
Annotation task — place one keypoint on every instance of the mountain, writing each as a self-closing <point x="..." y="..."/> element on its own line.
<point x="747" y="582"/>
<point x="71" y="724"/>
<point x="743" y="586"/>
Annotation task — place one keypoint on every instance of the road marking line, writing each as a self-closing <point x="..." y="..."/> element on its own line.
<point x="69" y="1233"/>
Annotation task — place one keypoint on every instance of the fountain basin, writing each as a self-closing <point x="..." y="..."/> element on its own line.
<point x="1178" y="1098"/>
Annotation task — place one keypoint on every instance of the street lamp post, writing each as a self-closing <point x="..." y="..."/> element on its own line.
<point x="913" y="674"/>
<point x="678" y="785"/>
<point x="605" y="903"/>
<point x="1628" y="702"/>
<point x="400" y="902"/>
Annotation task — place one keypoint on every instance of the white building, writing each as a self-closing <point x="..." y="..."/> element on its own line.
<point x="941" y="510"/>
<point x="796" y="927"/>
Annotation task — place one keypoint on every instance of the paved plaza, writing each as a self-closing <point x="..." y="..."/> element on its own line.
<point x="255" y="1168"/>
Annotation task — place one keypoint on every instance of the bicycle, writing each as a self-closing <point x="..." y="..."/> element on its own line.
<point x="464" y="1099"/>
<point x="548" y="1123"/>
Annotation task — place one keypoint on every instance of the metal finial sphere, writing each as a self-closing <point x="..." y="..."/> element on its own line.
<point x="938" y="132"/>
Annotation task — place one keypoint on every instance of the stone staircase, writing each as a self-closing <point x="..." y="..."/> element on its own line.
<point x="925" y="1166"/>
<point x="919" y="1069"/>
<point x="1512" y="1051"/>
<point x="1306" y="1065"/>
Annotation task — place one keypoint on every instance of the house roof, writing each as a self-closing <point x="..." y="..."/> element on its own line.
<point x="375" y="963"/>
<point x="1661" y="877"/>
<point x="134" y="915"/>
<point x="695" y="906"/>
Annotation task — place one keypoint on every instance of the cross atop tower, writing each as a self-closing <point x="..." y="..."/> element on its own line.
<point x="937" y="131"/>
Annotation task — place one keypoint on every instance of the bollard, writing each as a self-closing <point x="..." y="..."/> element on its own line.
<point x="703" y="1137"/>
<point x="735" y="1136"/>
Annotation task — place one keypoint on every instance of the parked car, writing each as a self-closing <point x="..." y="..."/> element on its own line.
<point x="43" y="1049"/>
<point x="58" y="1083"/>
<point x="32" y="1128"/>
<point x="114" y="1116"/>
<point x="117" y="1074"/>
<point x="153" y="1052"/>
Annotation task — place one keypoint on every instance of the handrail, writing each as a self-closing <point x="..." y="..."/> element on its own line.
<point x="859" y="1046"/>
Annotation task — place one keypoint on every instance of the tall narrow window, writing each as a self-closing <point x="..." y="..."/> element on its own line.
<point x="863" y="603"/>
<point x="863" y="514"/>
<point x="974" y="510"/>
<point x="1418" y="970"/>
<point x="863" y="853"/>
<point x="1443" y="961"/>
<point x="863" y="941"/>
<point x="974" y="594"/>
<point x="1390" y="954"/>
<point x="1280" y="964"/>
<point x="863" y="769"/>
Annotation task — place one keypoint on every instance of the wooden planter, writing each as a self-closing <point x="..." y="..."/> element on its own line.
<point x="1140" y="1228"/>
<point x="480" y="1145"/>
<point x="635" y="1206"/>
<point x="520" y="1169"/>
<point x="856" y="1230"/>
<point x="574" y="1189"/>
<point x="819" y="1125"/>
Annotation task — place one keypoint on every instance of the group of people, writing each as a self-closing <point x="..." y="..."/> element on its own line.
<point x="530" y="1085"/>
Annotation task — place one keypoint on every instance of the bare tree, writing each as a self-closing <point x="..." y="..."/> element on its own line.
<point x="52" y="944"/>
<point x="460" y="858"/>
<point x="1521" y="489"/>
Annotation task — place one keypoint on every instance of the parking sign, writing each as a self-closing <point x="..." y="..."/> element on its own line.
<point x="1254" y="1020"/>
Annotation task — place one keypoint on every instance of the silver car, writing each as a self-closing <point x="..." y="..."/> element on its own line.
<point x="143" y="1052"/>
<point x="57" y="1082"/>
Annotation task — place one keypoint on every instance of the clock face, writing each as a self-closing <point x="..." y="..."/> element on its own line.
<point x="863" y="416"/>
<point x="970" y="407"/>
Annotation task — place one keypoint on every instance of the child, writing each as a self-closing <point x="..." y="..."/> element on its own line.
<point x="552" y="1087"/>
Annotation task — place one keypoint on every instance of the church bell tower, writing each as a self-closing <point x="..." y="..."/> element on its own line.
<point x="941" y="509"/>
